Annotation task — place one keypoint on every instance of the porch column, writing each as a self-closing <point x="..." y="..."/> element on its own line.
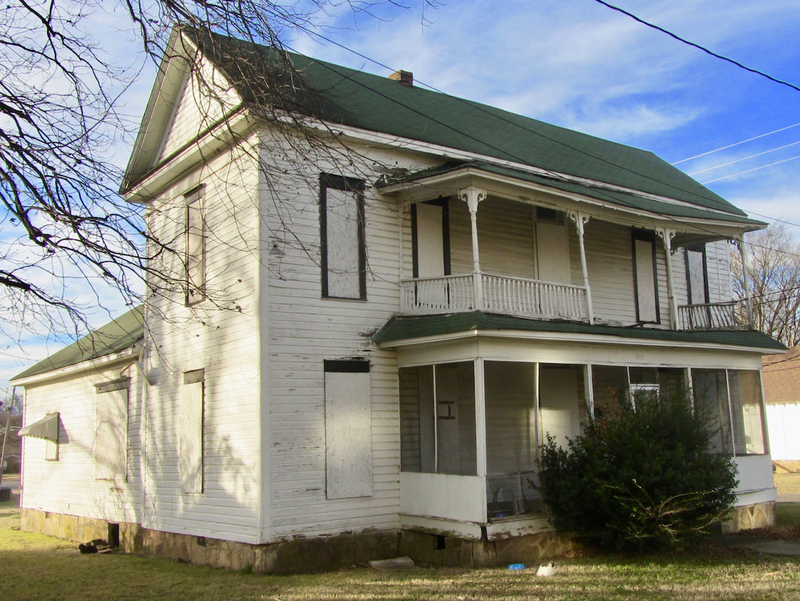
<point x="473" y="196"/>
<point x="666" y="237"/>
<point x="480" y="418"/>
<point x="746" y="281"/>
<point x="580" y="220"/>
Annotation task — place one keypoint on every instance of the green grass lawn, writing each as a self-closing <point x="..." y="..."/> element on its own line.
<point x="39" y="568"/>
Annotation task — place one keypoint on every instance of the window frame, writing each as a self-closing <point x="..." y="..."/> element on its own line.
<point x="356" y="186"/>
<point x="444" y="204"/>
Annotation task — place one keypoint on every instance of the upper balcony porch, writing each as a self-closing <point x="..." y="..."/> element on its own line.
<point x="524" y="257"/>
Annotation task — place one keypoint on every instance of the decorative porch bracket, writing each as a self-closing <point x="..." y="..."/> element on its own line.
<point x="745" y="280"/>
<point x="580" y="220"/>
<point x="666" y="236"/>
<point x="473" y="196"/>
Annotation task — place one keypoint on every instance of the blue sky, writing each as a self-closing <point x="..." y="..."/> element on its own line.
<point x="574" y="63"/>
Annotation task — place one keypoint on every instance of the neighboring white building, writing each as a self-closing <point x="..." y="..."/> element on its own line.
<point x="380" y="321"/>
<point x="781" y="376"/>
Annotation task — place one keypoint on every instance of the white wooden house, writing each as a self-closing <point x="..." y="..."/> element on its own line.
<point x="382" y="320"/>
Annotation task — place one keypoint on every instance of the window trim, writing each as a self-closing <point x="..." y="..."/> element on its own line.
<point x="346" y="184"/>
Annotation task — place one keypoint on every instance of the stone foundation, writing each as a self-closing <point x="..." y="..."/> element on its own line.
<point x="457" y="552"/>
<point x="302" y="555"/>
<point x="747" y="517"/>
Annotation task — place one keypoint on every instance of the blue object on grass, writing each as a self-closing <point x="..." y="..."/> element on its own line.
<point x="516" y="566"/>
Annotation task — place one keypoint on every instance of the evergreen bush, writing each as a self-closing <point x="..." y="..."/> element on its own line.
<point x="642" y="478"/>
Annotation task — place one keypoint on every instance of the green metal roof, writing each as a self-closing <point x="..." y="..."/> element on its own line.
<point x="340" y="95"/>
<point x="409" y="328"/>
<point x="116" y="336"/>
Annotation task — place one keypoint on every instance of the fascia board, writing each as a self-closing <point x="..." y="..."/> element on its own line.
<point x="215" y="138"/>
<point x="574" y="338"/>
<point x="129" y="355"/>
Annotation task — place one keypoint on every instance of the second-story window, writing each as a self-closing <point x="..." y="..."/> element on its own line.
<point x="195" y="247"/>
<point x="645" y="279"/>
<point x="343" y="254"/>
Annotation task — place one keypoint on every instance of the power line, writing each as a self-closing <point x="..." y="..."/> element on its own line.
<point x="698" y="46"/>
<point x="751" y="170"/>
<point x="697" y="156"/>
<point x="752" y="156"/>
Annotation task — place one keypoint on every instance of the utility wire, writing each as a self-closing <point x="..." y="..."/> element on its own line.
<point x="481" y="108"/>
<point x="697" y="156"/>
<point x="752" y="156"/>
<point x="751" y="170"/>
<point x="698" y="46"/>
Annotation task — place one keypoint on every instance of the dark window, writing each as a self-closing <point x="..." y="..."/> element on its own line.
<point x="343" y="254"/>
<point x="645" y="278"/>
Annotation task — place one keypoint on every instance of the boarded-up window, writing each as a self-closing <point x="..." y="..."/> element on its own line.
<point x="195" y="247"/>
<point x="343" y="256"/>
<point x="111" y="440"/>
<point x="645" y="280"/>
<point x="191" y="450"/>
<point x="348" y="429"/>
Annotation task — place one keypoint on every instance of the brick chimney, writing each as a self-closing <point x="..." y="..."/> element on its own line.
<point x="404" y="77"/>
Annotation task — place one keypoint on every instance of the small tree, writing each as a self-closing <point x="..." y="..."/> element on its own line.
<point x="643" y="478"/>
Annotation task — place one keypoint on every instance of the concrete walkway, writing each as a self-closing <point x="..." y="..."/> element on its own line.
<point x="767" y="546"/>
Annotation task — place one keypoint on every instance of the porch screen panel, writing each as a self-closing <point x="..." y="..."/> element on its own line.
<point x="456" y="446"/>
<point x="511" y="439"/>
<point x="560" y="401"/>
<point x="711" y="403"/>
<point x="610" y="389"/>
<point x="417" y="436"/>
<point x="748" y="419"/>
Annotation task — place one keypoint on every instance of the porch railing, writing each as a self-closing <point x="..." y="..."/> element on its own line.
<point x="447" y="294"/>
<point x="533" y="298"/>
<point x="499" y="294"/>
<point x="713" y="316"/>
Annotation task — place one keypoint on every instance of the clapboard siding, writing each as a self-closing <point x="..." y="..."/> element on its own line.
<point x="68" y="485"/>
<point x="218" y="335"/>
<point x="306" y="329"/>
<point x="203" y="98"/>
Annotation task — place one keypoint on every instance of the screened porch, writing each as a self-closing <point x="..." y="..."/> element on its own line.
<point x="471" y="430"/>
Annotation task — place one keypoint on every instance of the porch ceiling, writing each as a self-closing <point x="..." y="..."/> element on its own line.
<point x="681" y="213"/>
<point x="408" y="328"/>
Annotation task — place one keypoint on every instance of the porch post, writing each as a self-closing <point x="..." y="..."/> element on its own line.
<point x="580" y="220"/>
<point x="473" y="196"/>
<point x="666" y="237"/>
<point x="480" y="429"/>
<point x="589" y="389"/>
<point x="401" y="214"/>
<point x="746" y="281"/>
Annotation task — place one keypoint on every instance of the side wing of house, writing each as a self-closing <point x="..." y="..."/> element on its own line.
<point x="82" y="451"/>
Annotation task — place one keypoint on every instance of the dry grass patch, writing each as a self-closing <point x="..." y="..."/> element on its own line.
<point x="42" y="568"/>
